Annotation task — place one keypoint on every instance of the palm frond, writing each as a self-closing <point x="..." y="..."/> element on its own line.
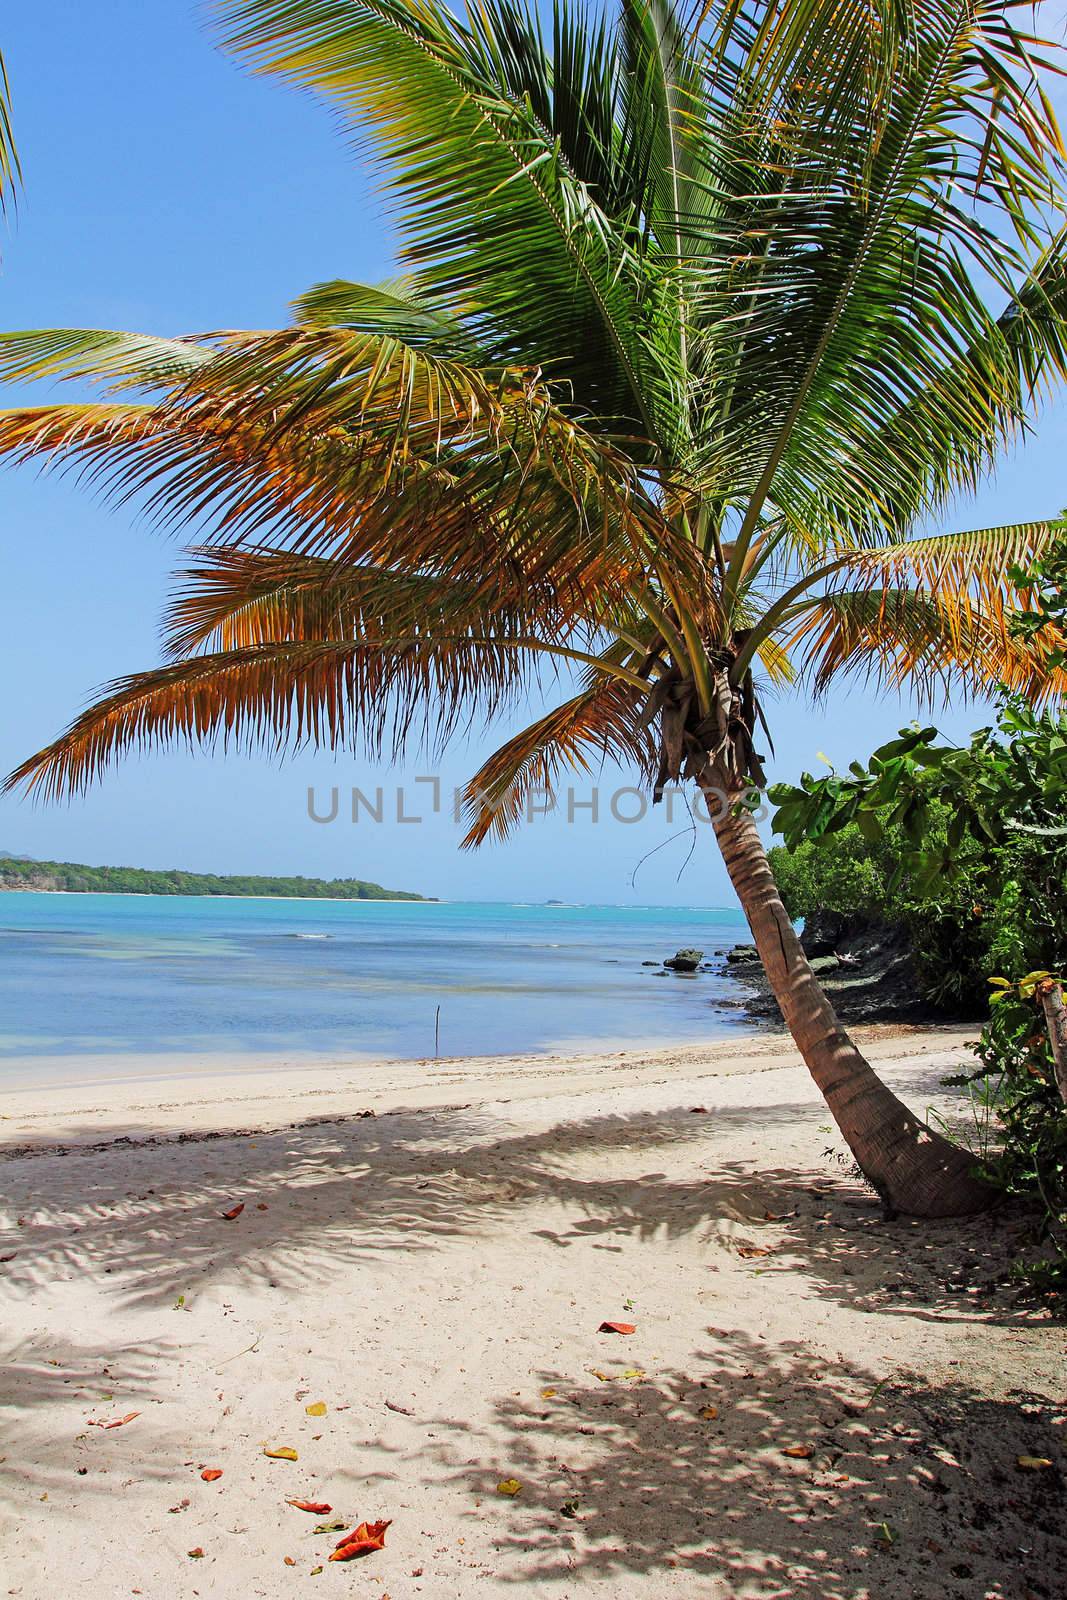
<point x="480" y="129"/>
<point x="10" y="167"/>
<point x="282" y="696"/>
<point x="918" y="639"/>
<point x="98" y="353"/>
<point x="601" y="722"/>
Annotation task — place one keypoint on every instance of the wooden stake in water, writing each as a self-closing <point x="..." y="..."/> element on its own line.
<point x="437" y="1034"/>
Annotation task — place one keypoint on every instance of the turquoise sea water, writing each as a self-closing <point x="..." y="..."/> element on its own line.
<point x="85" y="975"/>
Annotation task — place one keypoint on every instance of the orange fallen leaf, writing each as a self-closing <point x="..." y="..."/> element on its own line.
<point x="234" y="1211"/>
<point x="799" y="1451"/>
<point x="289" y="1562"/>
<point x="709" y="1413"/>
<point x="211" y="1474"/>
<point x="548" y="1394"/>
<point x="750" y="1250"/>
<point x="318" y="1508"/>
<point x="195" y="1555"/>
<point x="369" y="1536"/>
<point x="119" y="1422"/>
<point x="617" y="1327"/>
<point x="280" y="1452"/>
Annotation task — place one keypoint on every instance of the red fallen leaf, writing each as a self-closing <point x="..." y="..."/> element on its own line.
<point x="210" y="1474"/>
<point x="361" y="1541"/>
<point x="98" y="1422"/>
<point x="617" y="1327"/>
<point x="235" y="1211"/>
<point x="318" y="1508"/>
<point x="197" y="1554"/>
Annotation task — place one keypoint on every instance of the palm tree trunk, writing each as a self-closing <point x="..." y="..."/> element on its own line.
<point x="913" y="1169"/>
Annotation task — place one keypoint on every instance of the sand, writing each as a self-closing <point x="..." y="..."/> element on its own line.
<point x="436" y="1274"/>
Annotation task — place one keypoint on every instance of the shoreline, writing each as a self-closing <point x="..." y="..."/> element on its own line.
<point x="230" y="1097"/>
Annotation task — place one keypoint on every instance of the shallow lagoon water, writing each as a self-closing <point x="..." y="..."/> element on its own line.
<point x="85" y="975"/>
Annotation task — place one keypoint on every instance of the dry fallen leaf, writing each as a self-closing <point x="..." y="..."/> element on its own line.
<point x="316" y="1410"/>
<point x="119" y="1422"/>
<point x="509" y="1486"/>
<point x="1033" y="1463"/>
<point x="709" y="1413"/>
<point x="617" y="1327"/>
<point x="750" y="1250"/>
<point x="605" y="1377"/>
<point x="635" y="1372"/>
<point x="196" y="1555"/>
<point x="800" y="1451"/>
<point x="289" y="1562"/>
<point x="315" y="1571"/>
<point x="280" y="1452"/>
<point x="318" y="1508"/>
<point x="234" y="1211"/>
<point x="548" y="1394"/>
<point x="329" y="1527"/>
<point x="369" y="1536"/>
<point x="211" y="1474"/>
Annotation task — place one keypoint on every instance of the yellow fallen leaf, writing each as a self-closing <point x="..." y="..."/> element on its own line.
<point x="280" y="1452"/>
<point x="316" y="1410"/>
<point x="315" y="1571"/>
<point x="709" y="1413"/>
<point x="605" y="1377"/>
<point x="1033" y="1463"/>
<point x="800" y="1451"/>
<point x="548" y="1394"/>
<point x="509" y="1486"/>
<point x="634" y="1372"/>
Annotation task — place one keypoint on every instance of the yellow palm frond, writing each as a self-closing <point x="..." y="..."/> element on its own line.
<point x="922" y="640"/>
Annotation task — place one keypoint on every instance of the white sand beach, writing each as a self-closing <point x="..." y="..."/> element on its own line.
<point x="815" y="1402"/>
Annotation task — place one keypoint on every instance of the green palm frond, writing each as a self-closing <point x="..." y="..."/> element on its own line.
<point x="10" y="167"/>
<point x="480" y="130"/>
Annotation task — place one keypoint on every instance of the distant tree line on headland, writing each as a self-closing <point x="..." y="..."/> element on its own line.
<point x="75" y="878"/>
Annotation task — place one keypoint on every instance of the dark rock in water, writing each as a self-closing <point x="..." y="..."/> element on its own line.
<point x="685" y="960"/>
<point x="650" y="963"/>
<point x="742" y="953"/>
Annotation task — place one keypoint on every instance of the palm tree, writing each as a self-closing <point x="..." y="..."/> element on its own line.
<point x="703" y="316"/>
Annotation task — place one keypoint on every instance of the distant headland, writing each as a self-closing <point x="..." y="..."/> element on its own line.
<point x="71" y="877"/>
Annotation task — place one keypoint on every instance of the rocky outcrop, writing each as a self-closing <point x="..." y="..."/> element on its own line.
<point x="685" y="961"/>
<point x="864" y="965"/>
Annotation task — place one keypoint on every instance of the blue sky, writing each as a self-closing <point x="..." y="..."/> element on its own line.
<point x="168" y="191"/>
